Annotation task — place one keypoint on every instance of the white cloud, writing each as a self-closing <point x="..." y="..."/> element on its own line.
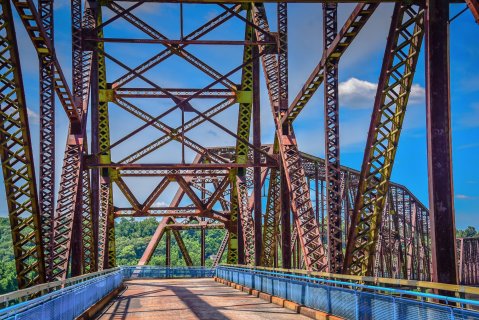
<point x="360" y="94"/>
<point x="464" y="197"/>
<point x="33" y="117"/>
<point x="160" y="204"/>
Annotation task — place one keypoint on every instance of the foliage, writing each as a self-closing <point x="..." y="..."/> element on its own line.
<point x="8" y="280"/>
<point x="132" y="237"/>
<point x="469" y="232"/>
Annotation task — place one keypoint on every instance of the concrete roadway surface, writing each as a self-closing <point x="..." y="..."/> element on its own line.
<point x="190" y="299"/>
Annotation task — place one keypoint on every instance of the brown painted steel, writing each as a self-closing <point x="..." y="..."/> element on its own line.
<point x="439" y="149"/>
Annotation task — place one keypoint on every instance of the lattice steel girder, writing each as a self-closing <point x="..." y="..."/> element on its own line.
<point x="239" y="194"/>
<point x="311" y="244"/>
<point x="32" y="22"/>
<point x="246" y="100"/>
<point x="468" y="261"/>
<point x="70" y="194"/>
<point x="89" y="253"/>
<point x="399" y="64"/>
<point x="247" y="223"/>
<point x="111" y="262"/>
<point x="105" y="189"/>
<point x="221" y="250"/>
<point x="47" y="130"/>
<point x="17" y="160"/>
<point x="332" y="149"/>
<point x="338" y="46"/>
<point x="271" y="219"/>
<point x="65" y="212"/>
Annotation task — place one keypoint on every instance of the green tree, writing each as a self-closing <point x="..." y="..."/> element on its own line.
<point x="469" y="232"/>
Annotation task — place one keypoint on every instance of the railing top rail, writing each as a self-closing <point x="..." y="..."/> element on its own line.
<point x="462" y="302"/>
<point x="52" y="285"/>
<point x="41" y="289"/>
<point x="376" y="281"/>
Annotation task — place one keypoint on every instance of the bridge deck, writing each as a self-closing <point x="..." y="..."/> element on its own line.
<point x="189" y="299"/>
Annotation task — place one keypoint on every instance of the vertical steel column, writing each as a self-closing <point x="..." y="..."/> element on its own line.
<point x="88" y="242"/>
<point x="238" y="207"/>
<point x="76" y="239"/>
<point x="257" y="159"/>
<point x="168" y="248"/>
<point x="95" y="146"/>
<point x="47" y="132"/>
<point x="271" y="219"/>
<point x="17" y="160"/>
<point x="103" y="224"/>
<point x="203" y="246"/>
<point x="285" y="222"/>
<point x="282" y="16"/>
<point x="111" y="233"/>
<point x="77" y="91"/>
<point x="439" y="149"/>
<point x="107" y="226"/>
<point x="331" y="136"/>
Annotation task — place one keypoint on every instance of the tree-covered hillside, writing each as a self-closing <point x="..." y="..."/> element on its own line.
<point x="132" y="237"/>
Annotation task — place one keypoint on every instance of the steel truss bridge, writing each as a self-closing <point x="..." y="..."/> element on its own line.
<point x="319" y="215"/>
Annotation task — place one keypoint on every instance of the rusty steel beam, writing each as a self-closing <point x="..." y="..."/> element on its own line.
<point x="439" y="149"/>
<point x="47" y="130"/>
<point x="182" y="246"/>
<point x="89" y="252"/>
<point x="155" y="240"/>
<point x="474" y="7"/>
<point x="311" y="244"/>
<point x="246" y="219"/>
<point x="331" y="136"/>
<point x="17" y="160"/>
<point x="271" y="220"/>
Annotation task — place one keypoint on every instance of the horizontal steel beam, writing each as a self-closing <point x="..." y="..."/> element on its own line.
<point x="180" y="93"/>
<point x="179" y="166"/>
<point x="183" y="42"/>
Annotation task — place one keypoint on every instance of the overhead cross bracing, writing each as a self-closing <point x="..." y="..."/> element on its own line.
<point x="166" y="118"/>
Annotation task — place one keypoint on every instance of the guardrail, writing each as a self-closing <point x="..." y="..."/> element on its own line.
<point x="350" y="300"/>
<point x="459" y="291"/>
<point x="68" y="299"/>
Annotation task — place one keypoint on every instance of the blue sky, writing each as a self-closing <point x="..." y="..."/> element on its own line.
<point x="359" y="72"/>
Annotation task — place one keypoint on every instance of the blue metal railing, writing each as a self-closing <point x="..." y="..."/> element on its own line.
<point x="350" y="300"/>
<point x="345" y="299"/>
<point x="73" y="297"/>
